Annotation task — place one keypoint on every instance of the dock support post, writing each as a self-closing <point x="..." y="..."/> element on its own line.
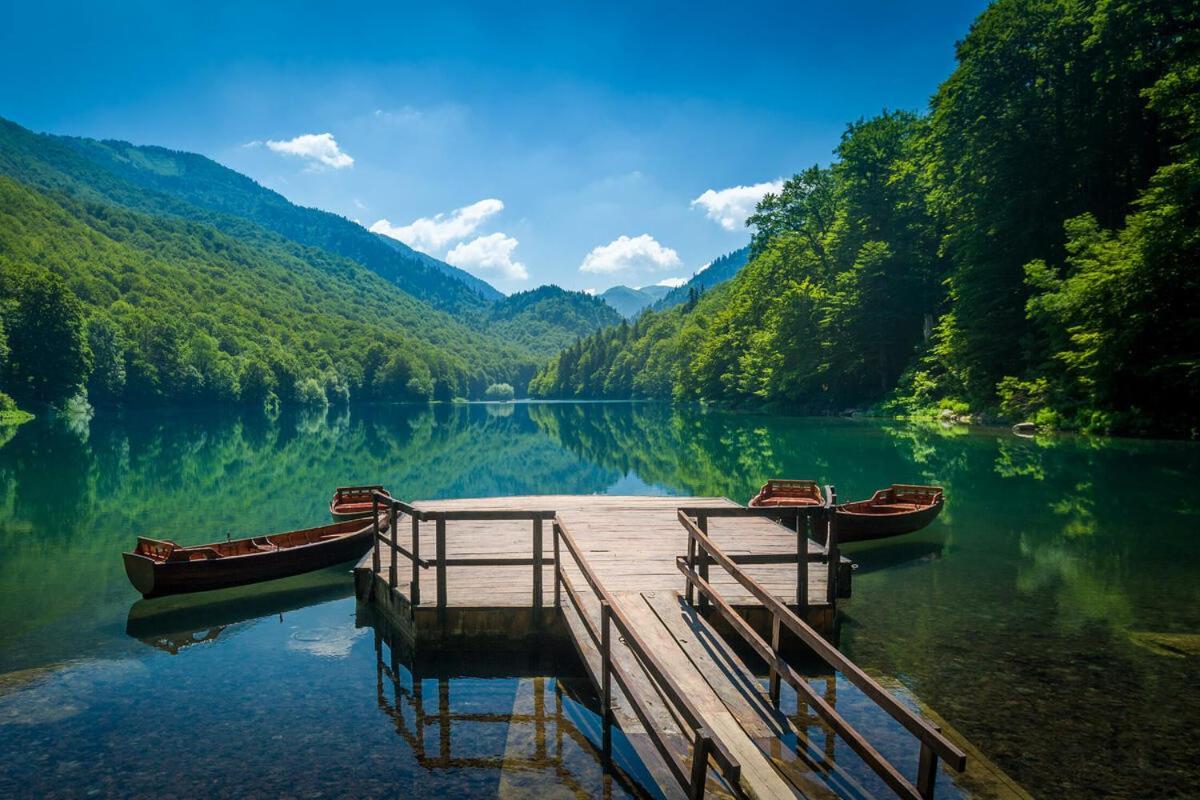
<point x="927" y="771"/>
<point x="775" y="642"/>
<point x="702" y="524"/>
<point x="831" y="547"/>
<point x="699" y="764"/>
<point x="557" y="565"/>
<point x="689" y="589"/>
<point x="605" y="660"/>
<point x="375" y="527"/>
<point x="440" y="544"/>
<point x="537" y="568"/>
<point x="415" y="591"/>
<point x="802" y="521"/>
<point x="393" y="579"/>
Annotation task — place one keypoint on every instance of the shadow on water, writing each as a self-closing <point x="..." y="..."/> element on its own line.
<point x="179" y="621"/>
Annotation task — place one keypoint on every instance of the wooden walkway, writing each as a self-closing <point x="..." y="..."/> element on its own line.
<point x="630" y="541"/>
<point x="611" y="573"/>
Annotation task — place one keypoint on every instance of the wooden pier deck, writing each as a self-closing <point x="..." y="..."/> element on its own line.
<point x="645" y="588"/>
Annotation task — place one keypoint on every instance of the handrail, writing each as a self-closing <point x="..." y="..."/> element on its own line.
<point x="381" y="499"/>
<point x="705" y="742"/>
<point x="933" y="743"/>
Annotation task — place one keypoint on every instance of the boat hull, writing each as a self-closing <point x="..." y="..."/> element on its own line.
<point x="859" y="527"/>
<point x="159" y="578"/>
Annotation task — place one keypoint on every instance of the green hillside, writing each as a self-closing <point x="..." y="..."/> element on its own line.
<point x="720" y="270"/>
<point x="1028" y="248"/>
<point x="547" y="319"/>
<point x="159" y="181"/>
<point x="179" y="312"/>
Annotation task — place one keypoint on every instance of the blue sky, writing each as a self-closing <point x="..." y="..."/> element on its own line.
<point x="529" y="143"/>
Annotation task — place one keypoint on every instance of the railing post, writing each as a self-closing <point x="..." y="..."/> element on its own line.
<point x="699" y="764"/>
<point x="702" y="524"/>
<point x="831" y="547"/>
<point x="802" y="562"/>
<point x="689" y="588"/>
<point x="392" y="578"/>
<point x="537" y="567"/>
<point x="415" y="591"/>
<point x="605" y="660"/>
<point x="775" y="642"/>
<point x="440" y="544"/>
<point x="557" y="565"/>
<point x="927" y="771"/>
<point x="375" y="526"/>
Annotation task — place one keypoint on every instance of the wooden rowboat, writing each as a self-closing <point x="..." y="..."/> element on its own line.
<point x="894" y="511"/>
<point x="352" y="502"/>
<point x="160" y="567"/>
<point x="778" y="492"/>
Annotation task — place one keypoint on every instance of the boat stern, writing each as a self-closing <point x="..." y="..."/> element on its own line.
<point x="140" y="571"/>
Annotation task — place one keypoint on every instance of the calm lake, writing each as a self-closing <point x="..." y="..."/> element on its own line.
<point x="1051" y="615"/>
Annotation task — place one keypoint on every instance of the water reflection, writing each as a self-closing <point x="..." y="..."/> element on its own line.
<point x="544" y="732"/>
<point x="176" y="622"/>
<point x="1060" y="588"/>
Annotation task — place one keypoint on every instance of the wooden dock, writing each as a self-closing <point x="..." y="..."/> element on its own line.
<point x="647" y="589"/>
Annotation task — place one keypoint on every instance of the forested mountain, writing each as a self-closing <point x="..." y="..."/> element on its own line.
<point x="152" y="277"/>
<point x="716" y="273"/>
<point x="158" y="181"/>
<point x="1029" y="246"/>
<point x="547" y="319"/>
<point x="629" y="302"/>
<point x="158" y="310"/>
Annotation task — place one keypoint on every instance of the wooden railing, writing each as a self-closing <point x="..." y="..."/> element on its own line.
<point x="440" y="562"/>
<point x="704" y="743"/>
<point x="933" y="743"/>
<point x="817" y="523"/>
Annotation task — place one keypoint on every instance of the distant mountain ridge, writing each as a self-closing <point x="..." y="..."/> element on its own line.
<point x="716" y="273"/>
<point x="548" y="319"/>
<point x="629" y="302"/>
<point x="196" y="278"/>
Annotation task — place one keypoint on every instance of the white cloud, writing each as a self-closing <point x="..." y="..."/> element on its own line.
<point x="591" y="290"/>
<point x="674" y="283"/>
<point x="624" y="253"/>
<point x="730" y="207"/>
<point x="491" y="252"/>
<point x="706" y="266"/>
<point x="428" y="234"/>
<point x="318" y="148"/>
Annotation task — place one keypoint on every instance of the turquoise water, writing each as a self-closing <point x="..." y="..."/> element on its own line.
<point x="1050" y="616"/>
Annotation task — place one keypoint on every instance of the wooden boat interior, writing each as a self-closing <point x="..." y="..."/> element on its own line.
<point x="896" y="499"/>
<point x="780" y="492"/>
<point x="165" y="550"/>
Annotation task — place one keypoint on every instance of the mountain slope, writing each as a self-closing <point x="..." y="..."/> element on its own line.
<point x="629" y="302"/>
<point x="481" y="287"/>
<point x="191" y="311"/>
<point x="716" y="273"/>
<point x="196" y="188"/>
<point x="547" y="319"/>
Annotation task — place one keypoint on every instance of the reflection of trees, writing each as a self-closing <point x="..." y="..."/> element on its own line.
<point x="70" y="505"/>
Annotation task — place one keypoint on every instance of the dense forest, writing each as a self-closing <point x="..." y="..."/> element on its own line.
<point x="137" y="276"/>
<point x="1027" y="247"/>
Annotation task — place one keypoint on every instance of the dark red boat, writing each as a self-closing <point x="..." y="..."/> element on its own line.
<point x="160" y="567"/>
<point x="351" y="502"/>
<point x="894" y="511"/>
<point x="779" y="492"/>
